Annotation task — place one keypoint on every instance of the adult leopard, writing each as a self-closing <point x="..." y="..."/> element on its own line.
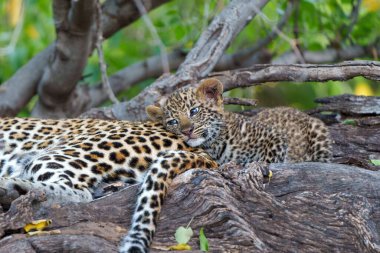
<point x="67" y="159"/>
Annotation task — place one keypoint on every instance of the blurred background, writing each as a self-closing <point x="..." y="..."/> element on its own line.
<point x="27" y="28"/>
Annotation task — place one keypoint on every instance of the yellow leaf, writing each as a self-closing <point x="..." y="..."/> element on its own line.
<point x="37" y="225"/>
<point x="180" y="246"/>
<point x="32" y="32"/>
<point x="363" y="89"/>
<point x="14" y="9"/>
<point x="372" y="5"/>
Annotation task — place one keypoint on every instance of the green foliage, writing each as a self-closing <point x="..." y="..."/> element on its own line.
<point x="203" y="242"/>
<point x="321" y="25"/>
<point x="349" y="122"/>
<point x="36" y="33"/>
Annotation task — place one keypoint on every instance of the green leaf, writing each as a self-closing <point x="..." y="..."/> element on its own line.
<point x="183" y="235"/>
<point x="376" y="162"/>
<point x="349" y="122"/>
<point x="203" y="242"/>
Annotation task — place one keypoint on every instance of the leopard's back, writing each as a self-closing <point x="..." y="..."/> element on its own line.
<point x="307" y="138"/>
<point x="84" y="152"/>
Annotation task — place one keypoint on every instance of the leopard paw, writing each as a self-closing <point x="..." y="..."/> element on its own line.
<point x="11" y="189"/>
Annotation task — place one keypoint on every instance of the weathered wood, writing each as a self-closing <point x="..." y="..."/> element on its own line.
<point x="350" y="104"/>
<point x="302" y="206"/>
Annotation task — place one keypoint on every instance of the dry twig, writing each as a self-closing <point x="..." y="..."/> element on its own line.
<point x="156" y="37"/>
<point x="353" y="18"/>
<point x="292" y="42"/>
<point x="199" y="61"/>
<point x="259" y="45"/>
<point x="103" y="67"/>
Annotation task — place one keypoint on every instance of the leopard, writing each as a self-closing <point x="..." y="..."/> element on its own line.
<point x="67" y="159"/>
<point x="274" y="135"/>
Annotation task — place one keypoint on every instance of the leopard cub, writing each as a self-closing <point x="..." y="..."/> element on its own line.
<point x="273" y="135"/>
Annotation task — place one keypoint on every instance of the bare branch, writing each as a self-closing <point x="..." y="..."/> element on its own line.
<point x="292" y="42"/>
<point x="349" y="104"/>
<point x="328" y="55"/>
<point x="296" y="27"/>
<point x="156" y="37"/>
<point x="298" y="73"/>
<point x="74" y="36"/>
<point x="150" y="68"/>
<point x="103" y="68"/>
<point x="22" y="86"/>
<point x="201" y="59"/>
<point x="271" y="36"/>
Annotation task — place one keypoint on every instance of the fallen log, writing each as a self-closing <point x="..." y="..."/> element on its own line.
<point x="307" y="207"/>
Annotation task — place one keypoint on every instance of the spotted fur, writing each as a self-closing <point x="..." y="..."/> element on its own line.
<point x="68" y="159"/>
<point x="274" y="135"/>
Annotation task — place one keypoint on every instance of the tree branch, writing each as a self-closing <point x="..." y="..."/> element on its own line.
<point x="201" y="59"/>
<point x="22" y="86"/>
<point x="328" y="55"/>
<point x="353" y="19"/>
<point x="150" y="68"/>
<point x="74" y="37"/>
<point x="298" y="73"/>
<point x="292" y="42"/>
<point x="259" y="45"/>
<point x="239" y="101"/>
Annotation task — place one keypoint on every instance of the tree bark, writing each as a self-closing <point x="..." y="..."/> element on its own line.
<point x="303" y="205"/>
<point x="73" y="45"/>
<point x="262" y="73"/>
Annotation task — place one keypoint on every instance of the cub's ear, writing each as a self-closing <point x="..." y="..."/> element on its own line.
<point x="155" y="113"/>
<point x="211" y="89"/>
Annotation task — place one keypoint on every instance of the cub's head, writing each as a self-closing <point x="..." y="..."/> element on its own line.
<point x="194" y="114"/>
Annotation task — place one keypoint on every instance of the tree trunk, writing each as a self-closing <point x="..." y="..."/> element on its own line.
<point x="307" y="207"/>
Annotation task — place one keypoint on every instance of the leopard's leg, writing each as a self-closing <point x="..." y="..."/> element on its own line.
<point x="320" y="144"/>
<point x="151" y="195"/>
<point x="274" y="149"/>
<point x="57" y="191"/>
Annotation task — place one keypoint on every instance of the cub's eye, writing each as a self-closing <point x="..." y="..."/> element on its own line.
<point x="194" y="111"/>
<point x="172" y="122"/>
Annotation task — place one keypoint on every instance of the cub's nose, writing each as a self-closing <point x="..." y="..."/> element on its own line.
<point x="187" y="131"/>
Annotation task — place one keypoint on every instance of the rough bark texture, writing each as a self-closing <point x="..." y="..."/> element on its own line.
<point x="73" y="22"/>
<point x="302" y="206"/>
<point x="263" y="73"/>
<point x="307" y="207"/>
